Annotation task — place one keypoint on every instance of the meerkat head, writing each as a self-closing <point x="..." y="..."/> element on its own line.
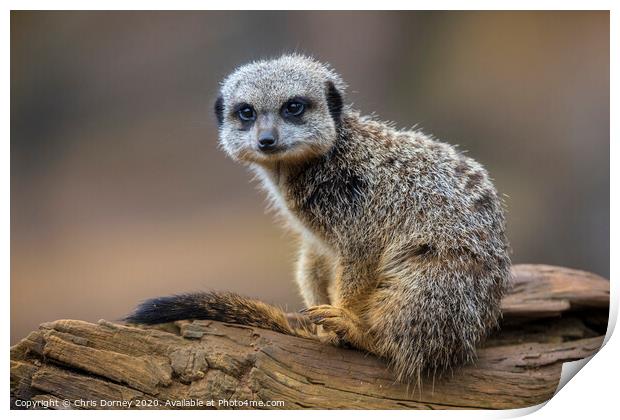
<point x="286" y="109"/>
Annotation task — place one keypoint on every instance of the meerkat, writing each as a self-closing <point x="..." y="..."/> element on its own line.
<point x="403" y="248"/>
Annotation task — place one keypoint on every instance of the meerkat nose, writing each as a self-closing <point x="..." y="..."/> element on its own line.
<point x="266" y="140"/>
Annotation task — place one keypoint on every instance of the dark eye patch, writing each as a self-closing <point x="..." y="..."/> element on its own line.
<point x="293" y="109"/>
<point x="245" y="113"/>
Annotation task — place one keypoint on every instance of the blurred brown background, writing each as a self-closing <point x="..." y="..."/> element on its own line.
<point x="119" y="193"/>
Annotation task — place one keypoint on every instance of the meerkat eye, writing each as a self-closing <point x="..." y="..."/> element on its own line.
<point x="246" y="113"/>
<point x="293" y="109"/>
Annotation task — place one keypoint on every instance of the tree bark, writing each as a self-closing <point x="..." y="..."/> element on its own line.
<point x="552" y="315"/>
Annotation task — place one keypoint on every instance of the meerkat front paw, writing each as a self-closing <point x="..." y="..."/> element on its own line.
<point x="337" y="326"/>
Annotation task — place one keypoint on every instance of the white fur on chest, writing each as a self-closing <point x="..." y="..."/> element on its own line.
<point x="270" y="182"/>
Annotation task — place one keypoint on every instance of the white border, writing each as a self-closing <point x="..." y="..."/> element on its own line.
<point x="592" y="394"/>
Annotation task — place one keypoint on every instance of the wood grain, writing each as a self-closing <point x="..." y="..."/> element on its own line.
<point x="552" y="315"/>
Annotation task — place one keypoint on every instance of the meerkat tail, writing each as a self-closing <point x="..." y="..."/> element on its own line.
<point x="217" y="306"/>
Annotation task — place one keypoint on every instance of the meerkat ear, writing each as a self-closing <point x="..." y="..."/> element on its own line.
<point x="334" y="102"/>
<point x="219" y="110"/>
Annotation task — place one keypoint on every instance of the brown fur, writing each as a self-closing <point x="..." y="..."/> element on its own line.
<point x="403" y="251"/>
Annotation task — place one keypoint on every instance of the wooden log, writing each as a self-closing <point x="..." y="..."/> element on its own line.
<point x="552" y="315"/>
<point x="543" y="290"/>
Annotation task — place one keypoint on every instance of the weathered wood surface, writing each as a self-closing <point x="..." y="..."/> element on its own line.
<point x="553" y="315"/>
